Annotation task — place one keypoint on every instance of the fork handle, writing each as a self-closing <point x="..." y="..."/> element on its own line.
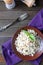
<point x="8" y="25"/>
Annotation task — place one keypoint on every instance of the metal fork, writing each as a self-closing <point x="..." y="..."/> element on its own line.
<point x="19" y="19"/>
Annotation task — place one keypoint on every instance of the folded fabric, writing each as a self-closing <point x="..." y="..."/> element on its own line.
<point x="7" y="51"/>
<point x="37" y="21"/>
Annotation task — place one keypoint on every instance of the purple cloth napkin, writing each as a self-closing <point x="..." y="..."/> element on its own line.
<point x="37" y="21"/>
<point x="7" y="51"/>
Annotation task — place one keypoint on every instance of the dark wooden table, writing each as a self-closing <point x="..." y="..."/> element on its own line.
<point x="7" y="16"/>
